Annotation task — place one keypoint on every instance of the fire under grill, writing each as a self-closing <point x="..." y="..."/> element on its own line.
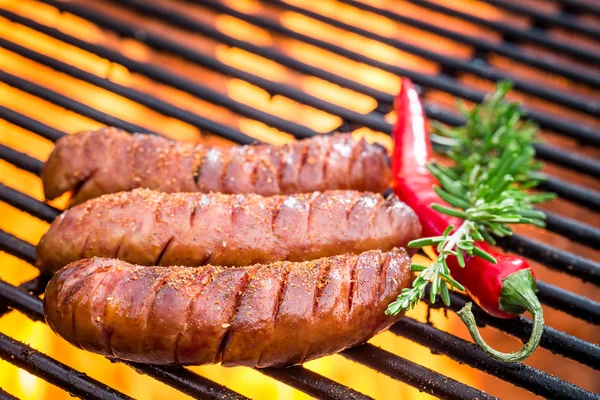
<point x="353" y="50"/>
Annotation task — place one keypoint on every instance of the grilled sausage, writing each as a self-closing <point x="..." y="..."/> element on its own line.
<point x="155" y="228"/>
<point x="262" y="315"/>
<point x="110" y="160"/>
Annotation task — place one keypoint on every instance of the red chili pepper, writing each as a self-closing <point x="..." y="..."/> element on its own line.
<point x="504" y="289"/>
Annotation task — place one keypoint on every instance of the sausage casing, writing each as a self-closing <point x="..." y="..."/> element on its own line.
<point x="110" y="160"/>
<point x="262" y="315"/>
<point x="154" y="228"/>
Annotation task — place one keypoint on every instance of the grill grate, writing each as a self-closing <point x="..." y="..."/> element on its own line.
<point x="25" y="297"/>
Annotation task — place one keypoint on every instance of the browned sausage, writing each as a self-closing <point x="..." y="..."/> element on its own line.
<point x="155" y="228"/>
<point x="263" y="315"/>
<point x="110" y="161"/>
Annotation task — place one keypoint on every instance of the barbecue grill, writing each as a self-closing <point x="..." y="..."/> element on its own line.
<point x="242" y="71"/>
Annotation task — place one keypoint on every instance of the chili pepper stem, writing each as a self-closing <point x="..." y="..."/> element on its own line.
<point x="518" y="294"/>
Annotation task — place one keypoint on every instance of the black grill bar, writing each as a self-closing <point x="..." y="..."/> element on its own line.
<point x="544" y="19"/>
<point x="570" y="128"/>
<point x="57" y="373"/>
<point x="312" y="383"/>
<point x="413" y="374"/>
<point x="483" y="45"/>
<point x="579" y="103"/>
<point x="19" y="200"/>
<point x="143" y="98"/>
<point x="571" y="303"/>
<point x="554" y="340"/>
<point x="571" y="160"/>
<point x="67" y="103"/>
<point x="515" y="34"/>
<point x="45" y="131"/>
<point x="578" y="6"/>
<point x="19" y="248"/>
<point x="531" y="379"/>
<point x="161" y="43"/>
<point x="6" y="396"/>
<point x="573" y="229"/>
<point x="552" y="257"/>
<point x="20" y="160"/>
<point x="160" y="74"/>
<point x="572" y="192"/>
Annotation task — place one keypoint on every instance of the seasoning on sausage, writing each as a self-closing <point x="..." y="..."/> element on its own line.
<point x="110" y="160"/>
<point x="261" y="315"/>
<point x="155" y="228"/>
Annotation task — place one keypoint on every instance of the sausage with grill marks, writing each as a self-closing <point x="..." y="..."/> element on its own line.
<point x="110" y="160"/>
<point x="192" y="229"/>
<point x="261" y="315"/>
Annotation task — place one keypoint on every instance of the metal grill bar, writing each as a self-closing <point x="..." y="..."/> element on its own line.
<point x="573" y="229"/>
<point x="420" y="377"/>
<point x="514" y="34"/>
<point x="140" y="97"/>
<point x="577" y="6"/>
<point x="531" y="379"/>
<point x="68" y="103"/>
<point x="36" y="363"/>
<point x="579" y="103"/>
<point x="569" y="191"/>
<point x="571" y="303"/>
<point x="568" y="159"/>
<point x="567" y="127"/>
<point x="483" y="45"/>
<point x="20" y="160"/>
<point x="45" y="131"/>
<point x="6" y="396"/>
<point x="544" y="19"/>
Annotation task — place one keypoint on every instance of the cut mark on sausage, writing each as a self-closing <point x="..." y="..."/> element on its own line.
<point x="326" y="140"/>
<point x="281" y="293"/>
<point x="84" y="247"/>
<point x="164" y="250"/>
<point x="116" y="253"/>
<point x="382" y="274"/>
<point x="157" y="285"/>
<point x="82" y="182"/>
<point x="284" y="154"/>
<point x="198" y="156"/>
<point x="193" y="213"/>
<point x="188" y="311"/>
<point x="226" y="338"/>
<point x="322" y="280"/>
<point x="380" y="205"/>
<point x="353" y="283"/>
<point x="275" y="212"/>
<point x="354" y="154"/>
<point x="226" y="159"/>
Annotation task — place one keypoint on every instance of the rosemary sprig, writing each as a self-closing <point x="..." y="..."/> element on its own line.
<point x="487" y="187"/>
